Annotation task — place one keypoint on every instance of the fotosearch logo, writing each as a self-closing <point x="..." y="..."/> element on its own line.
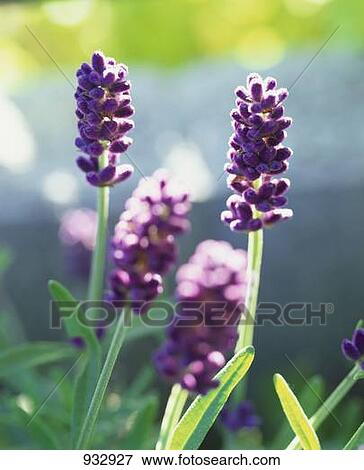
<point x="157" y="314"/>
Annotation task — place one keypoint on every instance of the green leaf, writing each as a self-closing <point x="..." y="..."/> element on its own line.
<point x="30" y="355"/>
<point x="172" y="414"/>
<point x="295" y="415"/>
<point x="85" y="383"/>
<point x="310" y="398"/>
<point x="141" y="383"/>
<point x="91" y="364"/>
<point x="357" y="439"/>
<point x="73" y="326"/>
<point x="15" y="424"/>
<point x="142" y="425"/>
<point x="203" y="411"/>
<point x="39" y="431"/>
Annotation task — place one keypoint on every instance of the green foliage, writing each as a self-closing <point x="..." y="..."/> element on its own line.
<point x="17" y="358"/>
<point x="175" y="405"/>
<point x="202" y="413"/>
<point x="170" y="33"/>
<point x="295" y="415"/>
<point x="310" y="398"/>
<point x="141" y="425"/>
<point x="357" y="439"/>
<point x="64" y="300"/>
<point x="90" y="365"/>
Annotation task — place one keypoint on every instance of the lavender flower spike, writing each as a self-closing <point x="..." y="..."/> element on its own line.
<point x="144" y="243"/>
<point x="103" y="112"/>
<point x="213" y="284"/>
<point x="354" y="349"/>
<point x="256" y="155"/>
<point x="241" y="417"/>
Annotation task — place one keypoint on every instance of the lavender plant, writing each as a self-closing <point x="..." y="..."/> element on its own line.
<point x="143" y="249"/>
<point x="208" y="348"/>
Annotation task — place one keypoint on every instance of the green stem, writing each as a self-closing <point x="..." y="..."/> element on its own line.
<point x="247" y="321"/>
<point x="96" y="283"/>
<point x="173" y="411"/>
<point x="255" y="253"/>
<point x="102" y="383"/>
<point x="330" y="403"/>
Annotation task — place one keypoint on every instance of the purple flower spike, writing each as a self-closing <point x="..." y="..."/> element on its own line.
<point x="256" y="154"/>
<point x="242" y="417"/>
<point x="353" y="349"/>
<point x="212" y="284"/>
<point x="77" y="342"/>
<point x="103" y="112"/>
<point x="144" y="242"/>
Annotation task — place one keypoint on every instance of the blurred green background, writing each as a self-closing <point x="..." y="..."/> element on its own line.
<point x="170" y="33"/>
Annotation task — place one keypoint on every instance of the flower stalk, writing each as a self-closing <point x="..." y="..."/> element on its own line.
<point x="96" y="283"/>
<point x="255" y="255"/>
<point x="246" y="327"/>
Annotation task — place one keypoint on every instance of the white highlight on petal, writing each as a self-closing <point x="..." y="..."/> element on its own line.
<point x="186" y="163"/>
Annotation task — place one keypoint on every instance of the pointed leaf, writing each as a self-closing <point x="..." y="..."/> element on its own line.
<point x="174" y="408"/>
<point x="73" y="326"/>
<point x="29" y="355"/>
<point x="202" y="413"/>
<point x="85" y="383"/>
<point x="310" y="398"/>
<point x="39" y="431"/>
<point x="357" y="439"/>
<point x="295" y="415"/>
<point x="89" y="370"/>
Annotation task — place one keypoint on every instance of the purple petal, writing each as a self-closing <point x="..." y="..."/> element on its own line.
<point x="85" y="164"/>
<point x="358" y="340"/>
<point x="349" y="350"/>
<point x="93" y="178"/>
<point x="123" y="172"/>
<point x="120" y="146"/>
<point x="98" y="61"/>
<point x="107" y="174"/>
